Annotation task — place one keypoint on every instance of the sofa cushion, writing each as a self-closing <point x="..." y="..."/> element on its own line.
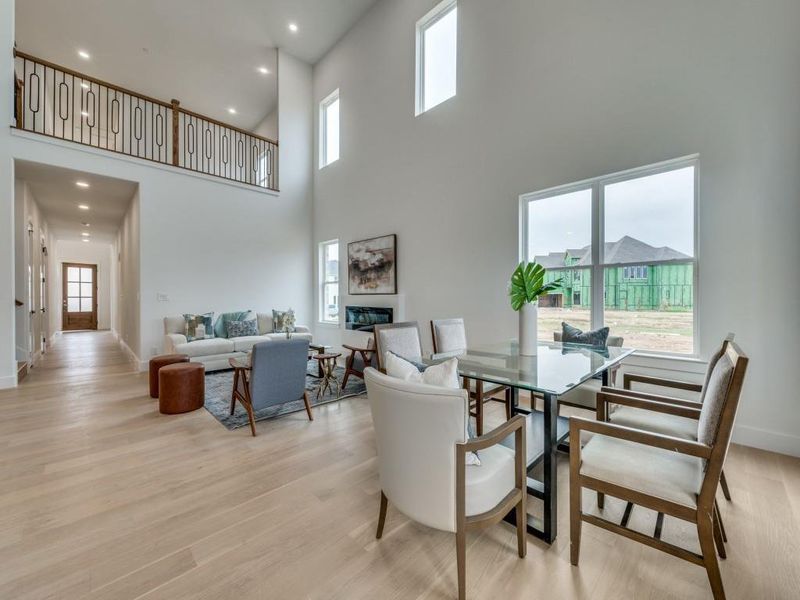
<point x="295" y="336"/>
<point x="245" y="343"/>
<point x="205" y="347"/>
<point x="221" y="324"/>
<point x="264" y="323"/>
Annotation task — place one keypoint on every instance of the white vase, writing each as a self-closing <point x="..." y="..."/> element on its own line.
<point x="528" y="329"/>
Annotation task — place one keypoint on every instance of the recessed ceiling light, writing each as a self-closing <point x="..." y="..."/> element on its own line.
<point x="84" y="234"/>
<point x="83" y="206"/>
<point x="263" y="70"/>
<point x="232" y="110"/>
<point x="82" y="184"/>
<point x="85" y="113"/>
<point x="84" y="54"/>
<point x="85" y="85"/>
<point x="84" y="240"/>
<point x="293" y="27"/>
<point x="85" y="224"/>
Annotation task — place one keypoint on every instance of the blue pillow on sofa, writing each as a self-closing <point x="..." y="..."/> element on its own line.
<point x="221" y="325"/>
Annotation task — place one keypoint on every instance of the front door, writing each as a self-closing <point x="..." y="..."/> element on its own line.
<point x="79" y="306"/>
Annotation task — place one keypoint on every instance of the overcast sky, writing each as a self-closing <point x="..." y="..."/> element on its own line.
<point x="657" y="209"/>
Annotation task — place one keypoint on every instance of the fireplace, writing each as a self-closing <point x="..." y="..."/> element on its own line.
<point x="363" y="318"/>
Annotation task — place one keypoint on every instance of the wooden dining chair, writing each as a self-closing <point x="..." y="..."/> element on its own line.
<point x="360" y="358"/>
<point x="450" y="336"/>
<point x="667" y="474"/>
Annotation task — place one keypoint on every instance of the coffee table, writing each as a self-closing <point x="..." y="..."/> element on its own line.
<point x="327" y="364"/>
<point x="319" y="349"/>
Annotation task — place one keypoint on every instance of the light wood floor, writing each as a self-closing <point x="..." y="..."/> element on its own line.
<point x="103" y="497"/>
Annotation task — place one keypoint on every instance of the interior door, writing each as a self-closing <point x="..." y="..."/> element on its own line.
<point x="79" y="306"/>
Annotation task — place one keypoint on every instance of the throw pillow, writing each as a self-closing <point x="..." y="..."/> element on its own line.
<point x="573" y="335"/>
<point x="444" y="374"/>
<point x="236" y="329"/>
<point x="221" y="328"/>
<point x="282" y="319"/>
<point x="191" y="323"/>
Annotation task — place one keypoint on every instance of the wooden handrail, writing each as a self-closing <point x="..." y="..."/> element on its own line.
<point x="123" y="90"/>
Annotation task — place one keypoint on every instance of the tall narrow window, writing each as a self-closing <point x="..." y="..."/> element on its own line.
<point x="329" y="130"/>
<point x="631" y="237"/>
<point x="329" y="282"/>
<point x="437" y="34"/>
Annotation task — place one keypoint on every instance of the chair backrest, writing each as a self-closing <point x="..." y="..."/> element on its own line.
<point x="615" y="341"/>
<point x="417" y="428"/>
<point x="278" y="372"/>
<point x="449" y="335"/>
<point x="401" y="338"/>
<point x="718" y="413"/>
<point x="712" y="362"/>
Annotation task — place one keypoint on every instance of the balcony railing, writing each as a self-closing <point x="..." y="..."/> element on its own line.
<point x="61" y="103"/>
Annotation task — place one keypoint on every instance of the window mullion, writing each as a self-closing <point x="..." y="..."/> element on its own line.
<point x="598" y="299"/>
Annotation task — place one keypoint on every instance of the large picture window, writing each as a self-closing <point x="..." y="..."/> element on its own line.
<point x="329" y="130"/>
<point x="329" y="282"/>
<point x="437" y="44"/>
<point x="624" y="249"/>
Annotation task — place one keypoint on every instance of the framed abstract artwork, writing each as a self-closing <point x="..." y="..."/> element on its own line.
<point x="372" y="266"/>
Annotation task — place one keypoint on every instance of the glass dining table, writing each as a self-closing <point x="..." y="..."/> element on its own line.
<point x="555" y="370"/>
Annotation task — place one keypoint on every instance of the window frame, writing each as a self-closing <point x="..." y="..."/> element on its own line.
<point x="323" y="129"/>
<point x="433" y="16"/>
<point x="323" y="283"/>
<point x="597" y="268"/>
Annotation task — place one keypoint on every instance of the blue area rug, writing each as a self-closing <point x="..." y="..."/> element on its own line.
<point x="219" y="385"/>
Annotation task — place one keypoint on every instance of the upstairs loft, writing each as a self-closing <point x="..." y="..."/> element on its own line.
<point x="62" y="103"/>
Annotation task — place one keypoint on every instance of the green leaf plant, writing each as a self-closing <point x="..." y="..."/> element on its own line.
<point x="527" y="284"/>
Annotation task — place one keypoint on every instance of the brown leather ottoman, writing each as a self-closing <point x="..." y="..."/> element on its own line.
<point x="162" y="361"/>
<point x="182" y="387"/>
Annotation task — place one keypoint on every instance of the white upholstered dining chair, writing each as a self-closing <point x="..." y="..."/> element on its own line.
<point x="450" y="337"/>
<point x="400" y="338"/>
<point x="421" y="442"/>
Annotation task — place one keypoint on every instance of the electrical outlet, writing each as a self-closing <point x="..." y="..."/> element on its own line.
<point x="162" y="297"/>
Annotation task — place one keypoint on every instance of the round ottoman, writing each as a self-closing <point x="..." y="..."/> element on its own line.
<point x="162" y="361"/>
<point x="182" y="387"/>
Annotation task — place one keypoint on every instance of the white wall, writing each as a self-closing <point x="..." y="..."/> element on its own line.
<point x="551" y="92"/>
<point x="93" y="253"/>
<point x="126" y="280"/>
<point x="268" y="127"/>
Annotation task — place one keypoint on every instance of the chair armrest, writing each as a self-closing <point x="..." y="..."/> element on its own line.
<point x="655" y="397"/>
<point x="301" y="329"/>
<point x="496" y="435"/>
<point x="629" y="378"/>
<point x="639" y="436"/>
<point x="355" y="349"/>
<point x="604" y="397"/>
<point x="171" y="340"/>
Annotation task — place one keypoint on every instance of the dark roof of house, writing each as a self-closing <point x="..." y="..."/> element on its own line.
<point x="624" y="250"/>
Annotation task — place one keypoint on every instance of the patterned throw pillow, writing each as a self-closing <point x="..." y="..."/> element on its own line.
<point x="241" y="328"/>
<point x="191" y="323"/>
<point x="280" y="320"/>
<point x="221" y="328"/>
<point x="573" y="335"/>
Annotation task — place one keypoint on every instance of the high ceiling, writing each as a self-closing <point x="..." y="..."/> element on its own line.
<point x="59" y="198"/>
<point x="205" y="53"/>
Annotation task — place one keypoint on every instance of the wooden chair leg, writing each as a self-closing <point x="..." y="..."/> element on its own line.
<point x="479" y="407"/>
<point x="461" y="560"/>
<point x="724" y="483"/>
<point x="601" y="500"/>
<point x="522" y="529"/>
<point x="308" y="406"/>
<point x="705" y="532"/>
<point x="233" y="403"/>
<point x="382" y="515"/>
<point x="575" y="521"/>
<point x="721" y="524"/>
<point x="509" y="408"/>
<point x="235" y="388"/>
<point x="718" y="541"/>
<point x="251" y="416"/>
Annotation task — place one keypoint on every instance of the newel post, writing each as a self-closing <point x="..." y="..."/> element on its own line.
<point x="175" y="127"/>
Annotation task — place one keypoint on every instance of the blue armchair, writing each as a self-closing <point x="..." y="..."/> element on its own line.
<point x="276" y="375"/>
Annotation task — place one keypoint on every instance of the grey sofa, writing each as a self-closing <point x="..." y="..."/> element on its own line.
<point x="215" y="352"/>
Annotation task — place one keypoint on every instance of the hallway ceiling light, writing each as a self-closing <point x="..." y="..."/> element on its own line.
<point x="85" y="113"/>
<point x="84" y="223"/>
<point x="84" y="234"/>
<point x="293" y="27"/>
<point x="84" y="54"/>
<point x="85" y="240"/>
<point x="263" y="70"/>
<point x="83" y="206"/>
<point x="232" y="110"/>
<point x="82" y="184"/>
<point x="85" y="85"/>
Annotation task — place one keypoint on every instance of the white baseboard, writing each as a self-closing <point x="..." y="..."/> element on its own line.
<point x="8" y="382"/>
<point x="782" y="443"/>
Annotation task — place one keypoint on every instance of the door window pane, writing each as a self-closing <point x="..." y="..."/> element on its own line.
<point x="73" y="274"/>
<point x="73" y="289"/>
<point x="73" y="304"/>
<point x="86" y="275"/>
<point x="86" y="305"/>
<point x="86" y="290"/>
<point x="559" y="239"/>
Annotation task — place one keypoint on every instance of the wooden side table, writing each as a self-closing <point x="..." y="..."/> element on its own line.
<point x="319" y="349"/>
<point x="327" y="365"/>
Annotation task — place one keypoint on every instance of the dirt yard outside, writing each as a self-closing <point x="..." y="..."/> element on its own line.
<point x="653" y="330"/>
